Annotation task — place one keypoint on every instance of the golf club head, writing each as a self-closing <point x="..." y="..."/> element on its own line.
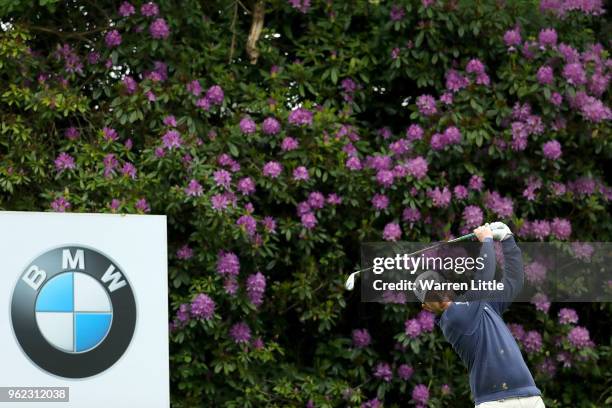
<point x="350" y="282"/>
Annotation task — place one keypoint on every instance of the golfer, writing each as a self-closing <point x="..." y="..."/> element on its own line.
<point x="499" y="376"/>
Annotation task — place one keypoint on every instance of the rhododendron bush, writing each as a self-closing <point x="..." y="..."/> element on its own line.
<point x="278" y="135"/>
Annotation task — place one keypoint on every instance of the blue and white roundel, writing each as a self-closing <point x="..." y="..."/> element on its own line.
<point x="73" y="312"/>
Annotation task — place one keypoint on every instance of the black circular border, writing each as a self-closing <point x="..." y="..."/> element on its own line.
<point x="47" y="357"/>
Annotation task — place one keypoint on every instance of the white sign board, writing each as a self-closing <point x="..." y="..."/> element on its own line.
<point x="85" y="319"/>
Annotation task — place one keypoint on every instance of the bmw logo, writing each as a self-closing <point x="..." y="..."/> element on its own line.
<point x="73" y="312"/>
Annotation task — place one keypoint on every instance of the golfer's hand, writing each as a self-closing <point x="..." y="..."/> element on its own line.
<point x="482" y="232"/>
<point x="500" y="231"/>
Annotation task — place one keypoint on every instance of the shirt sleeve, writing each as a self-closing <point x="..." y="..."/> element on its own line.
<point x="513" y="275"/>
<point x="485" y="274"/>
<point x="487" y="253"/>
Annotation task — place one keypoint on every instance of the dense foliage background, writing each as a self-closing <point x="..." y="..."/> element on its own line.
<point x="276" y="135"/>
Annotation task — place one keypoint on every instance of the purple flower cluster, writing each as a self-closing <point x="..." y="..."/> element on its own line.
<point x="545" y="75"/>
<point x="300" y="173"/>
<point x="109" y="134"/>
<point x="552" y="150"/>
<point x="272" y="169"/>
<point x="72" y="61"/>
<point x="501" y="206"/>
<point x="240" y="333"/>
<point x="142" y="205"/>
<point x="579" y="337"/>
<point x="270" y="126"/>
<point x="385" y="178"/>
<point x="535" y="272"/>
<point x="129" y="170"/>
<point x="477" y="68"/>
<point x="567" y="316"/>
<point x="417" y="167"/>
<point x="558" y="228"/>
<point x="246" y="186"/>
<point x="547" y="367"/>
<point x="184" y="252"/>
<point x="149" y="9"/>
<point x="64" y="161"/>
<point x="532" y="341"/>
<point x="247" y="126"/>
<point x="300" y="117"/>
<point x="455" y="81"/>
<point x="404" y="371"/>
<point x="472" y="216"/>
<point x="392" y="232"/>
<point x="220" y="202"/>
<point x="72" y="133"/>
<point x="582" y="251"/>
<point x="397" y="13"/>
<point x="533" y="185"/>
<point x="112" y="39"/>
<point x="547" y="37"/>
<point x="427" y="320"/>
<point x="562" y="7"/>
<point x="172" y="139"/>
<point x="412" y="328"/>
<point x="301" y="5"/>
<point x="414" y="132"/>
<point x="593" y="109"/>
<point x="228" y="264"/>
<point x="309" y="220"/>
<point x="451" y="135"/>
<point x="248" y="223"/>
<point x="289" y="143"/>
<point x="226" y="160"/>
<point x="512" y="38"/>
<point x="460" y="192"/>
<point x="383" y="371"/>
<point x="126" y="9"/>
<point x="380" y="201"/>
<point x="183" y="314"/>
<point x="214" y="95"/>
<point x="159" y="29"/>
<point x="411" y="215"/>
<point x="476" y="183"/>
<point x="256" y="287"/>
<point x="110" y="163"/>
<point x="420" y="395"/>
<point x="446" y="389"/>
<point x="203" y="307"/>
<point x="517" y="331"/>
<point x="426" y="105"/>
<point x="588" y="84"/>
<point x="60" y="204"/>
<point x="361" y="338"/>
<point x="541" y="302"/>
<point x="440" y="198"/>
<point x="373" y="403"/>
<point x="353" y="163"/>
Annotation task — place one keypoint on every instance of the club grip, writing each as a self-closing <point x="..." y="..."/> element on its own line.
<point x="466" y="237"/>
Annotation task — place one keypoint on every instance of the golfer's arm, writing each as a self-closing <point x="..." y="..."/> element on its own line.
<point x="487" y="253"/>
<point x="513" y="269"/>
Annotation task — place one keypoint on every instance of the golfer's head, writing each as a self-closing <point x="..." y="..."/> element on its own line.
<point x="434" y="300"/>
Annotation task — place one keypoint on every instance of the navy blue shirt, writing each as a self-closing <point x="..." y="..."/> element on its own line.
<point x="477" y="332"/>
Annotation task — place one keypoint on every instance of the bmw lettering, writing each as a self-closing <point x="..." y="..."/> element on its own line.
<point x="73" y="312"/>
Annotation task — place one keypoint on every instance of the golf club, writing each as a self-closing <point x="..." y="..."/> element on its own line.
<point x="350" y="282"/>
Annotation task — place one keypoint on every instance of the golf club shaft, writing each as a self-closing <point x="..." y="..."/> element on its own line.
<point x="439" y="244"/>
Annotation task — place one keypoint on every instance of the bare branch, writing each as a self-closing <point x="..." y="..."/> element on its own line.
<point x="233" y="44"/>
<point x="259" y="13"/>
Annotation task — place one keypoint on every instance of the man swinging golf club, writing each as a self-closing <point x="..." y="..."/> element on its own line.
<point x="499" y="376"/>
